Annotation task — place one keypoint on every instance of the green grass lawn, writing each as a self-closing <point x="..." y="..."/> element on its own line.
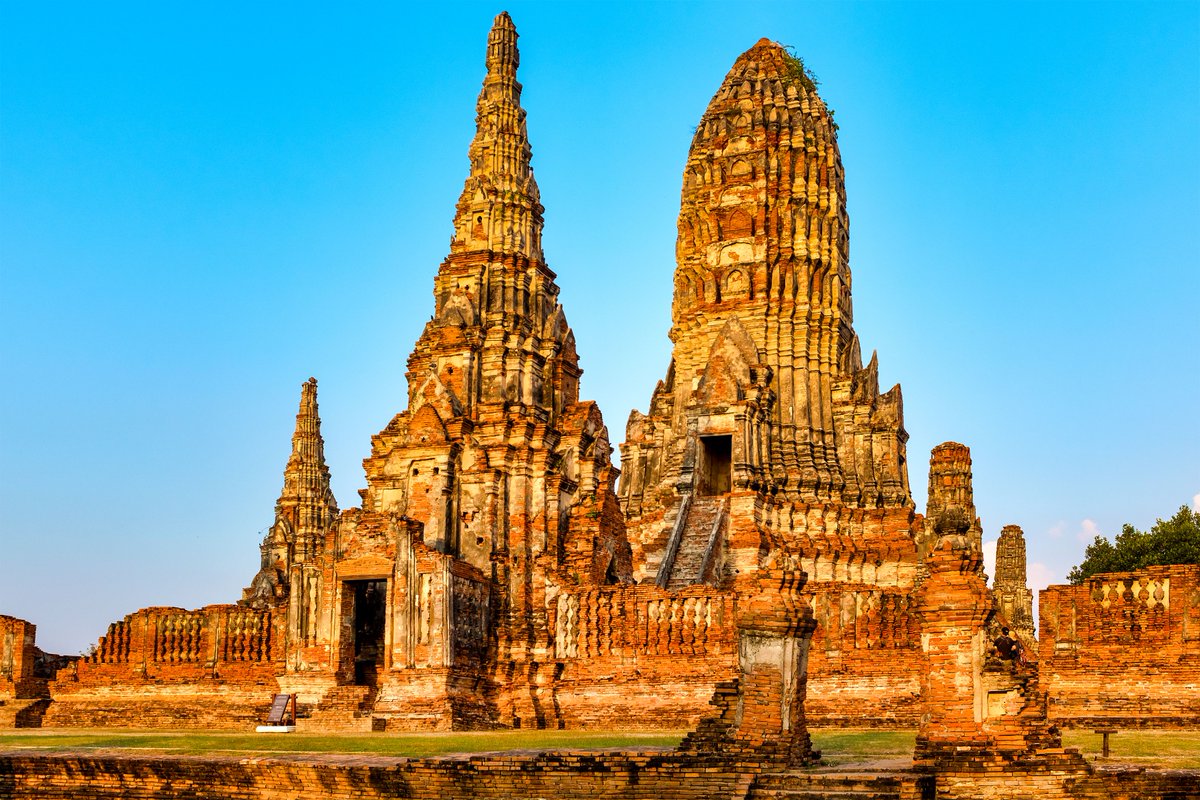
<point x="1164" y="749"/>
<point x="849" y="745"/>
<point x="415" y="745"/>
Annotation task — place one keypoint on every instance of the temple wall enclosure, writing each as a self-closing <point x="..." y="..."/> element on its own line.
<point x="596" y="776"/>
<point x="1123" y="649"/>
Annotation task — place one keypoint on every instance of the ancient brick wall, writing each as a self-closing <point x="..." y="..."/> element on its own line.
<point x="212" y="667"/>
<point x="558" y="775"/>
<point x="635" y="652"/>
<point x="628" y="776"/>
<point x="1124" y="648"/>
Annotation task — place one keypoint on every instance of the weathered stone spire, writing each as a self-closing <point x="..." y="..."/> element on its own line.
<point x="305" y="510"/>
<point x="1014" y="600"/>
<point x="500" y="208"/>
<point x="764" y="347"/>
<point x="950" y="508"/>
<point x="306" y="476"/>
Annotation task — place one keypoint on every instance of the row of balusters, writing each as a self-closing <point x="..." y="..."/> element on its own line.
<point x="181" y="637"/>
<point x="868" y="619"/>
<point x="601" y="623"/>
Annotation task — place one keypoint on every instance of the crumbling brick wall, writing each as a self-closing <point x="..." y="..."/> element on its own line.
<point x="17" y="655"/>
<point x="1124" y="648"/>
<point x="212" y="667"/>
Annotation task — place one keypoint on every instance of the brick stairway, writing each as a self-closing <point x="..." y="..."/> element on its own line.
<point x="689" y="561"/>
<point x="803" y="785"/>
<point x="342" y="709"/>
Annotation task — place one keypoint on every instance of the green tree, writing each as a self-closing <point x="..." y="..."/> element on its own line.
<point x="1172" y="541"/>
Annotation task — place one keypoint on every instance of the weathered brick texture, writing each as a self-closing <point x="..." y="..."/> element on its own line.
<point x="213" y="667"/>
<point x="628" y="776"/>
<point x="1123" y="649"/>
<point x="24" y="691"/>
<point x="766" y="403"/>
<point x="495" y="575"/>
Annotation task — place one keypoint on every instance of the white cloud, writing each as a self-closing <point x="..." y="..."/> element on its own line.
<point x="1056" y="530"/>
<point x="1038" y="577"/>
<point x="1088" y="530"/>
<point x="989" y="559"/>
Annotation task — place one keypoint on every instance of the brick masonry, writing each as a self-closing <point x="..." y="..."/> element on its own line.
<point x="630" y="776"/>
<point x="1123" y="649"/>
<point x="495" y="574"/>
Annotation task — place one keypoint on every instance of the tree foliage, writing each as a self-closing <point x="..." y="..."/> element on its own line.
<point x="1172" y="541"/>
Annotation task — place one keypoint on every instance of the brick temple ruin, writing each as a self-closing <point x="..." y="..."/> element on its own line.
<point x="761" y="550"/>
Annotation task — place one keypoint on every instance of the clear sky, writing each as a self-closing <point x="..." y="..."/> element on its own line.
<point x="201" y="205"/>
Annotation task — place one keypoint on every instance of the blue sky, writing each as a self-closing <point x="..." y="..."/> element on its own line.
<point x="201" y="206"/>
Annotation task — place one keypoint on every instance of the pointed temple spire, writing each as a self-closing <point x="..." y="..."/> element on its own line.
<point x="500" y="208"/>
<point x="306" y="501"/>
<point x="306" y="474"/>
<point x="305" y="510"/>
<point x="1014" y="599"/>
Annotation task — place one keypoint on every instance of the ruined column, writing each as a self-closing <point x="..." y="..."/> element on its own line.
<point x="762" y="711"/>
<point x="983" y="721"/>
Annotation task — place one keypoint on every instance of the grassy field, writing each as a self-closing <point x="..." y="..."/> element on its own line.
<point x="414" y="745"/>
<point x="1174" y="749"/>
<point x="1168" y="749"/>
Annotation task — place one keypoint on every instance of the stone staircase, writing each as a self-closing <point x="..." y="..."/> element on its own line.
<point x="343" y="709"/>
<point x="704" y="516"/>
<point x="841" y="785"/>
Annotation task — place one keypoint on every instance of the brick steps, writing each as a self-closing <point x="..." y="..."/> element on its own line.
<point x="689" y="561"/>
<point x="343" y="709"/>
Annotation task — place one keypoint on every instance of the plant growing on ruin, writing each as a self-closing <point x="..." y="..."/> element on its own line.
<point x="798" y="71"/>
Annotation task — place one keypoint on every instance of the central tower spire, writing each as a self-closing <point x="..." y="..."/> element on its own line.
<point x="500" y="208"/>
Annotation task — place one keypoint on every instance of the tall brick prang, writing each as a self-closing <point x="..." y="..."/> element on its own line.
<point x="768" y="436"/>
<point x="977" y="711"/>
<point x="1014" y="600"/>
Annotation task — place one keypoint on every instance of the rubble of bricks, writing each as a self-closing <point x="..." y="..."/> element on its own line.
<point x="1122" y="649"/>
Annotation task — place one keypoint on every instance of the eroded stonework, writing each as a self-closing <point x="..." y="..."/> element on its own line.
<point x="768" y="437"/>
<point x="1014" y="600"/>
<point x="762" y="554"/>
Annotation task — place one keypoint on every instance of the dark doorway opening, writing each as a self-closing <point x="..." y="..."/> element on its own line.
<point x="370" y="612"/>
<point x="716" y="465"/>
